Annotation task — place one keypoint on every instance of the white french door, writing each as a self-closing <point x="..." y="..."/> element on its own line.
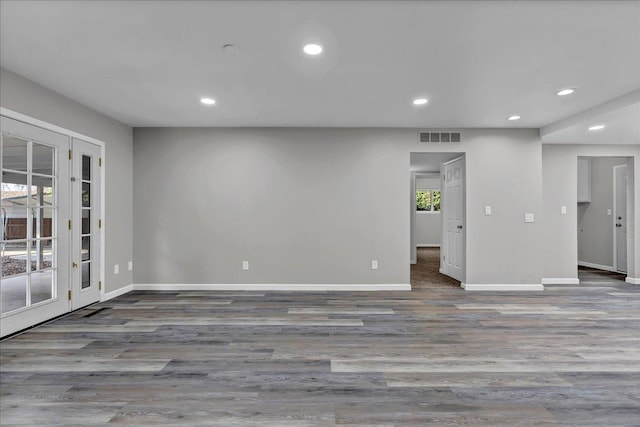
<point x="86" y="224"/>
<point x="452" y="205"/>
<point x="49" y="236"/>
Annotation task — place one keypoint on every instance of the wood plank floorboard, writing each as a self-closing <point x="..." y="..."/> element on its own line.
<point x="568" y="356"/>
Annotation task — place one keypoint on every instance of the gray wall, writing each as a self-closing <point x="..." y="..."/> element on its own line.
<point x="560" y="181"/>
<point x="27" y="97"/>
<point x="428" y="229"/>
<point x="595" y="227"/>
<point x="317" y="205"/>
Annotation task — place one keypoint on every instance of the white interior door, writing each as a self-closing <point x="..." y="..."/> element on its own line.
<point x="620" y="217"/>
<point x="34" y="239"/>
<point x="86" y="224"/>
<point x="452" y="205"/>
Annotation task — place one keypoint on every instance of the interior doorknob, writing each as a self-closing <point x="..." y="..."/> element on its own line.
<point x="459" y="227"/>
<point x="74" y="264"/>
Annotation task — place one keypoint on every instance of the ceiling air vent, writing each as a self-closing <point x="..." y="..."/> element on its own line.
<point x="439" y="137"/>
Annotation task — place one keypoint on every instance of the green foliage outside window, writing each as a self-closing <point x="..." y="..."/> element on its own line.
<point x="428" y="200"/>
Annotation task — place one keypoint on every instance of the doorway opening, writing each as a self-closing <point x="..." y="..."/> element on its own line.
<point x="605" y="211"/>
<point x="437" y="220"/>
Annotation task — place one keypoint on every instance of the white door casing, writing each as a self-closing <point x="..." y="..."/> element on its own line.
<point x="620" y="220"/>
<point x="452" y="205"/>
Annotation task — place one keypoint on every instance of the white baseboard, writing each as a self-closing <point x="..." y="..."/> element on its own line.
<point x="597" y="266"/>
<point x="428" y="246"/>
<point x="441" y="271"/>
<point x="633" y="280"/>
<point x="123" y="290"/>
<point x="560" y="281"/>
<point x="503" y="287"/>
<point x="271" y="287"/>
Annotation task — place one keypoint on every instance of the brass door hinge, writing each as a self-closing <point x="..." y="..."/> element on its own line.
<point x="69" y="295"/>
<point x="99" y="286"/>
<point x="99" y="223"/>
<point x="70" y="155"/>
<point x="99" y="161"/>
<point x="69" y="224"/>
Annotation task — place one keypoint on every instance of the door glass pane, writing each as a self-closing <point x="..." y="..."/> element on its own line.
<point x="86" y="194"/>
<point x="86" y="274"/>
<point x="14" y="223"/>
<point x="41" y="254"/>
<point x="14" y="292"/>
<point x="42" y="222"/>
<point x="86" y="221"/>
<point x="86" y="168"/>
<point x="86" y="248"/>
<point x="14" y="189"/>
<point x="42" y="159"/>
<point x="42" y="190"/>
<point x="14" y="153"/>
<point x="14" y="259"/>
<point x="41" y="286"/>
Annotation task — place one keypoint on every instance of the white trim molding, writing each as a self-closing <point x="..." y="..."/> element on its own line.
<point x="121" y="291"/>
<point x="294" y="287"/>
<point x="502" y="287"/>
<point x="633" y="280"/>
<point x="560" y="281"/>
<point x="597" y="266"/>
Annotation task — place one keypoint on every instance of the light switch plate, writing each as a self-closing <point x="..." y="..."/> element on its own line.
<point x="528" y="217"/>
<point x="245" y="265"/>
<point x="609" y="212"/>
<point x="487" y="210"/>
<point x="374" y="264"/>
<point x="563" y="210"/>
<point x="116" y="269"/>
<point x="130" y="265"/>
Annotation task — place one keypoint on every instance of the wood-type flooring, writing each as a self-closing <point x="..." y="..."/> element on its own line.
<point x="435" y="356"/>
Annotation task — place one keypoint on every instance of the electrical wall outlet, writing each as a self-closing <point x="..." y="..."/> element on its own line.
<point x="374" y="264"/>
<point x="487" y="210"/>
<point x="563" y="210"/>
<point x="245" y="265"/>
<point x="528" y="217"/>
<point x="609" y="212"/>
<point x="116" y="269"/>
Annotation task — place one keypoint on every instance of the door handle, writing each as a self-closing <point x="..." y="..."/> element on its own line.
<point x="459" y="227"/>
<point x="618" y="225"/>
<point x="74" y="264"/>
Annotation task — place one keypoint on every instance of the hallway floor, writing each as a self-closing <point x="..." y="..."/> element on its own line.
<point x="433" y="356"/>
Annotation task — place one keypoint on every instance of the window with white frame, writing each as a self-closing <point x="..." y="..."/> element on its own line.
<point x="428" y="200"/>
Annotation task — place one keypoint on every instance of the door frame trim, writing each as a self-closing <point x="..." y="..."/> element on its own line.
<point x="613" y="223"/>
<point x="72" y="134"/>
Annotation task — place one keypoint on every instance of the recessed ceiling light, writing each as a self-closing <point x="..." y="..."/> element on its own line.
<point x="208" y="101"/>
<point x="312" y="49"/>
<point x="420" y="101"/>
<point x="231" y="48"/>
<point x="565" y="92"/>
<point x="514" y="117"/>
<point x="597" y="127"/>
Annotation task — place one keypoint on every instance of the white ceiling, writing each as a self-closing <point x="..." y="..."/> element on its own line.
<point x="147" y="63"/>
